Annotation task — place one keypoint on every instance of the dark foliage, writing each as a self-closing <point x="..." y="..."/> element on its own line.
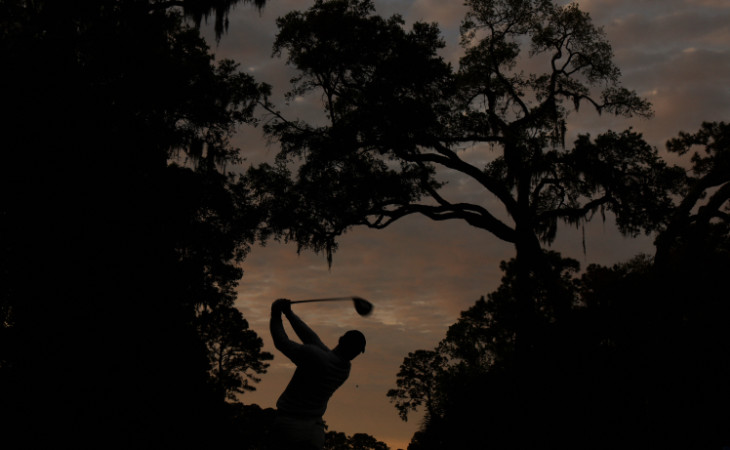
<point x="702" y="218"/>
<point x="234" y="351"/>
<point x="252" y="426"/>
<point x="109" y="249"/>
<point x="636" y="357"/>
<point x="400" y="118"/>
<point x="629" y="356"/>
<point x="359" y="441"/>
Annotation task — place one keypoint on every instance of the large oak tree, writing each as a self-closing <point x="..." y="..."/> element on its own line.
<point x="398" y="120"/>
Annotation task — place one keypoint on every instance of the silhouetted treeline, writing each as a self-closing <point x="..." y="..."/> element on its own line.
<point x="359" y="441"/>
<point x="253" y="426"/>
<point x="630" y="356"/>
<point x="119" y="227"/>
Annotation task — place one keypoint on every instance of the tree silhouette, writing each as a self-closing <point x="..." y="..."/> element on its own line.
<point x="632" y="355"/>
<point x="477" y="398"/>
<point x="201" y="10"/>
<point x="252" y="426"/>
<point x="359" y="441"/>
<point x="234" y="351"/>
<point x="399" y="120"/>
<point x="389" y="97"/>
<point x="704" y="204"/>
<point x="689" y="306"/>
<point x="118" y="223"/>
<point x="418" y="383"/>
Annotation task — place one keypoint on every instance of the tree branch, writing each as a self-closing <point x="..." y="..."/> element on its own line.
<point x="712" y="208"/>
<point x="283" y="119"/>
<point x="448" y="158"/>
<point x="554" y="181"/>
<point x="472" y="214"/>
<point x="574" y="213"/>
<point x="166" y="4"/>
<point x="682" y="215"/>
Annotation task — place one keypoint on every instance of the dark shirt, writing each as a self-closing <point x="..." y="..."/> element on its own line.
<point x="319" y="370"/>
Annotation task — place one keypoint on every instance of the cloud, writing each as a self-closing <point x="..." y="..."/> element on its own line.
<point x="720" y="4"/>
<point x="673" y="52"/>
<point x="669" y="31"/>
<point x="693" y="87"/>
<point x="442" y="12"/>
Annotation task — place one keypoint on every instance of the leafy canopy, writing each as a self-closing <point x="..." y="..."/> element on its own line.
<point x="400" y="120"/>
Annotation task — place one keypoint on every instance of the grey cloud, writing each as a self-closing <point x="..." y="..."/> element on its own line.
<point x="671" y="31"/>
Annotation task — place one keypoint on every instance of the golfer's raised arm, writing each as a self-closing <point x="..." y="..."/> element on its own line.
<point x="278" y="334"/>
<point x="306" y="334"/>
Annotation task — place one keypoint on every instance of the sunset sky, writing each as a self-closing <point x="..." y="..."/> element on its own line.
<point x="421" y="274"/>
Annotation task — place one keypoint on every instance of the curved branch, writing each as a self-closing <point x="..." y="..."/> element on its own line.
<point x="712" y="208"/>
<point x="682" y="214"/>
<point x="554" y="181"/>
<point x="448" y="158"/>
<point x="473" y="214"/>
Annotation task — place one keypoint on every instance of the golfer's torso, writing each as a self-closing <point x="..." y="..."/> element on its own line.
<point x="313" y="383"/>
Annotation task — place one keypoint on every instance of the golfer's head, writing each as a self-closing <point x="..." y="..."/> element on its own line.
<point x="352" y="344"/>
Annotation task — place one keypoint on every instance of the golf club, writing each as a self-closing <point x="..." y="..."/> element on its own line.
<point x="362" y="306"/>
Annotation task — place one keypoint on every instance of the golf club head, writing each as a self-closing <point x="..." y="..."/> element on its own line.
<point x="362" y="306"/>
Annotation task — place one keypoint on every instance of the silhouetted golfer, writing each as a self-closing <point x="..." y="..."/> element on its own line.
<point x="320" y="371"/>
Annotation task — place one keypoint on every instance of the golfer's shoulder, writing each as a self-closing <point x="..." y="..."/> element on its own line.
<point x="316" y="351"/>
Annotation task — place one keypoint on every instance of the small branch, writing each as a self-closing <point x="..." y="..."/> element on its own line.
<point x="574" y="213"/>
<point x="278" y="115"/>
<point x="166" y="4"/>
<point x="712" y="208"/>
<point x="544" y="182"/>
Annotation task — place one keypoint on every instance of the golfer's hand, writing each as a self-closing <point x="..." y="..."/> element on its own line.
<point x="281" y="305"/>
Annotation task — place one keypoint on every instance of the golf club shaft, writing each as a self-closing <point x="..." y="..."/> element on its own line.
<point x="332" y="299"/>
